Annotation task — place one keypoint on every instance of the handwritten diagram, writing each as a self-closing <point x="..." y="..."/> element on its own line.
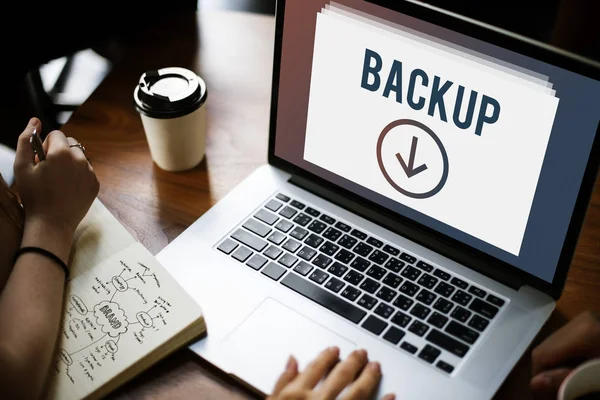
<point x="113" y="314"/>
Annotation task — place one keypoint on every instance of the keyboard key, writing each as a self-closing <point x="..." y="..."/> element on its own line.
<point x="306" y="253"/>
<point x="242" y="254"/>
<point x="391" y="250"/>
<point x="392" y="280"/>
<point x="462" y="332"/>
<point x="384" y="311"/>
<point x="394" y="335"/>
<point x="386" y="294"/>
<point x="484" y="308"/>
<point x="418" y="328"/>
<point x="299" y="233"/>
<point x="358" y="234"/>
<point x="338" y="269"/>
<point x="459" y="282"/>
<point x="318" y="276"/>
<point x="288" y="212"/>
<point x="438" y="320"/>
<point x="283" y="197"/>
<point x="426" y="297"/>
<point x="408" y="258"/>
<point x="227" y="246"/>
<point x="347" y="241"/>
<point x="447" y="343"/>
<point x="477" y="291"/>
<point x="370" y="285"/>
<point x="394" y="264"/>
<point x="411" y="273"/>
<point x="249" y="240"/>
<point x="462" y="298"/>
<point x="367" y="301"/>
<point x="302" y="219"/>
<point x="354" y="277"/>
<point x="409" y="288"/>
<point x="288" y="260"/>
<point x="343" y="227"/>
<point x="420" y="311"/>
<point x="314" y="241"/>
<point x="344" y="256"/>
<point x="277" y="238"/>
<point x="327" y="218"/>
<point x="403" y="302"/>
<point x="324" y="298"/>
<point x="273" y="271"/>
<point x="291" y="245"/>
<point x="443" y="305"/>
<point x="409" y="347"/>
<point x="460" y="314"/>
<point x="256" y="262"/>
<point x="321" y="261"/>
<point x="284" y="226"/>
<point x="498" y="302"/>
<point x="351" y="293"/>
<point x="375" y="242"/>
<point x="303" y="268"/>
<point x="273" y="205"/>
<point x="444" y="289"/>
<point x="267" y="217"/>
<point x="444" y="366"/>
<point x="360" y="264"/>
<point x="374" y="325"/>
<point x="335" y="285"/>
<point x="441" y="274"/>
<point x="329" y="248"/>
<point x="297" y="204"/>
<point x="362" y="249"/>
<point x="378" y="257"/>
<point x="401" y="319"/>
<point x="312" y="212"/>
<point x="428" y="281"/>
<point x="317" y="226"/>
<point x="425" y="266"/>
<point x="376" y="272"/>
<point x="429" y="353"/>
<point x="256" y="227"/>
<point x="332" y="234"/>
<point x="479" y="323"/>
<point x="273" y="252"/>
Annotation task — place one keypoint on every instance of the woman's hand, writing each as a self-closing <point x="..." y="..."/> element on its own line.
<point x="58" y="191"/>
<point x="356" y="373"/>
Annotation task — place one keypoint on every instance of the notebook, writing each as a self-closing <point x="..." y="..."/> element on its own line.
<point x="123" y="312"/>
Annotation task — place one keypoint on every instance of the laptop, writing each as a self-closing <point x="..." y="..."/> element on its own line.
<point x="427" y="179"/>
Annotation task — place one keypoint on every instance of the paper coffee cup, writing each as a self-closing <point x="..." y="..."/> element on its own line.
<point x="171" y="104"/>
<point x="581" y="382"/>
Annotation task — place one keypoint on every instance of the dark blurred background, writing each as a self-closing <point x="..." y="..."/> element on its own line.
<point x="55" y="55"/>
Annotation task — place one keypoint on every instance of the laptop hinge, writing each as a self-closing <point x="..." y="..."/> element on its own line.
<point x="405" y="228"/>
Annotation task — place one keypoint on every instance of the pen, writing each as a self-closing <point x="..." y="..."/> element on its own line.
<point x="36" y="144"/>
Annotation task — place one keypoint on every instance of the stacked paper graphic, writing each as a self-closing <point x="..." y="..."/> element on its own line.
<point x="450" y="133"/>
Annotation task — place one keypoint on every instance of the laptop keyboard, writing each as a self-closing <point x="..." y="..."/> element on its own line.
<point x="405" y="301"/>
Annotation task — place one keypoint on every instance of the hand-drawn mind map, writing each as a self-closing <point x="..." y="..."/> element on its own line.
<point x="120" y="308"/>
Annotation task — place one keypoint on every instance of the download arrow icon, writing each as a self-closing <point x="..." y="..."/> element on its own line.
<point x="410" y="169"/>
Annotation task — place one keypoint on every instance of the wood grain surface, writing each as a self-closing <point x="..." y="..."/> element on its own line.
<point x="233" y="53"/>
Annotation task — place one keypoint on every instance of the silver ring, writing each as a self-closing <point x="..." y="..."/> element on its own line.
<point x="82" y="147"/>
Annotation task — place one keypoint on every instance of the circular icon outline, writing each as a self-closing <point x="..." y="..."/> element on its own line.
<point x="437" y="141"/>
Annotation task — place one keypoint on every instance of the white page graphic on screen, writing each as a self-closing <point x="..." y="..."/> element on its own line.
<point x="476" y="141"/>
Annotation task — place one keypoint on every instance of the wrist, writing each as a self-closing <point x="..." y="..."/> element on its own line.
<point x="49" y="236"/>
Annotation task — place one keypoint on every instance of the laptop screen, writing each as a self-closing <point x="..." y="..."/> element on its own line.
<point x="477" y="142"/>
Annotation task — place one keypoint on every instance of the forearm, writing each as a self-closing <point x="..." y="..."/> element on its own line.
<point x="30" y="311"/>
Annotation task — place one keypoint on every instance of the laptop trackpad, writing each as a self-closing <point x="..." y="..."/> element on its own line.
<point x="258" y="349"/>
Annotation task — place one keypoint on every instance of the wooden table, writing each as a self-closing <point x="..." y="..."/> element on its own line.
<point x="233" y="53"/>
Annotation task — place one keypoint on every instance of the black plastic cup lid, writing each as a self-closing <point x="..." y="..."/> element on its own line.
<point x="169" y="93"/>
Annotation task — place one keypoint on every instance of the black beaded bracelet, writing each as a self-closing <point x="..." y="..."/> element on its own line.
<point x="45" y="253"/>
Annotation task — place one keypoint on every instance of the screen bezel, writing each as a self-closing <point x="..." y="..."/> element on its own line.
<point x="411" y="229"/>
